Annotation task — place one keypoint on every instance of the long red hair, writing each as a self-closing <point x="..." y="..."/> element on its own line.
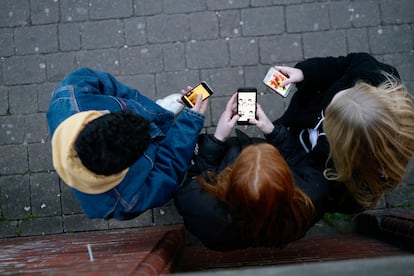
<point x="260" y="189"/>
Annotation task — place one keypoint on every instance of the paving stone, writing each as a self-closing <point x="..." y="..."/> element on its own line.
<point x="43" y="226"/>
<point x="280" y="49"/>
<point x="145" y="84"/>
<point x="45" y="197"/>
<point x="78" y="223"/>
<point x="14" y="13"/>
<point x="174" y="56"/>
<point x="13" y="159"/>
<point x="184" y="6"/>
<point x="144" y="7"/>
<point x="315" y="44"/>
<point x="43" y="95"/>
<point x="59" y="65"/>
<point x="230" y="23"/>
<point x="70" y="205"/>
<point x="405" y="64"/>
<point x="244" y="51"/>
<point x="262" y="21"/>
<point x="166" y="215"/>
<point x="340" y="14"/>
<point x="139" y="60"/>
<point x="12" y="130"/>
<point x="307" y="18"/>
<point x="135" y="31"/>
<point x="357" y="40"/>
<point x="15" y="196"/>
<point x="44" y="11"/>
<point x="103" y="60"/>
<point x="6" y="42"/>
<point x="103" y="9"/>
<point x="69" y="36"/>
<point x="38" y="160"/>
<point x="204" y="25"/>
<point x="74" y="10"/>
<point x="397" y="11"/>
<point x="43" y="39"/>
<point x="93" y="39"/>
<point x="173" y="82"/>
<point x="168" y="28"/>
<point x="379" y="38"/>
<point x="143" y="220"/>
<point x="259" y="3"/>
<point x="222" y="5"/>
<point x="8" y="228"/>
<point x="32" y="67"/>
<point x="22" y="99"/>
<point x="206" y="54"/>
<point x="4" y="100"/>
<point x="35" y="128"/>
<point x="365" y="13"/>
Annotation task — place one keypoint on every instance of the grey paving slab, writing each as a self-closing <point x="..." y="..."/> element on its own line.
<point x="160" y="47"/>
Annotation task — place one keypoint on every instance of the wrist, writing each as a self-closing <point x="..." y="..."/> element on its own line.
<point x="268" y="129"/>
<point x="219" y="137"/>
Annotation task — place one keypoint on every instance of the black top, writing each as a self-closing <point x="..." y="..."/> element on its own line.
<point x="323" y="78"/>
<point x="211" y="220"/>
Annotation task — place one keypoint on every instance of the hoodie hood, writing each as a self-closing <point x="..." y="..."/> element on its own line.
<point x="66" y="161"/>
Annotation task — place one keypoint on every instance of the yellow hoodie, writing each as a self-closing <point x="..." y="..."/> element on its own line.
<point x="66" y="161"/>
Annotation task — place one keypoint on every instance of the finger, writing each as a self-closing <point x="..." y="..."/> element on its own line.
<point x="197" y="105"/>
<point x="231" y="101"/>
<point x="234" y="119"/>
<point x="204" y="106"/>
<point x="179" y="101"/>
<point x="253" y="121"/>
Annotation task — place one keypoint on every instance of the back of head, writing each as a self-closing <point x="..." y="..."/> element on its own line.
<point x="113" y="142"/>
<point x="371" y="134"/>
<point x="259" y="187"/>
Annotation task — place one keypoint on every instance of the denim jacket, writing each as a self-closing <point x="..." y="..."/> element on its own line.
<point x="153" y="179"/>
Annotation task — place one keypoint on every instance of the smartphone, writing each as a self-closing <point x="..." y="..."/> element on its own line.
<point x="274" y="78"/>
<point x="190" y="97"/>
<point x="246" y="104"/>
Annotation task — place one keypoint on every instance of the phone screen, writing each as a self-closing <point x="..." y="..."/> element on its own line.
<point x="246" y="105"/>
<point x="190" y="97"/>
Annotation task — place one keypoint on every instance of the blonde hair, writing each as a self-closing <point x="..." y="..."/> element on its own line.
<point x="371" y="135"/>
<point x="259" y="187"/>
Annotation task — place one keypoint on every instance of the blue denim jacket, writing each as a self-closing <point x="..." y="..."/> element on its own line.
<point x="154" y="178"/>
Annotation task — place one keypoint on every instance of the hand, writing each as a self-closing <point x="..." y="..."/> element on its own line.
<point x="200" y="105"/>
<point x="294" y="74"/>
<point x="227" y="121"/>
<point x="262" y="122"/>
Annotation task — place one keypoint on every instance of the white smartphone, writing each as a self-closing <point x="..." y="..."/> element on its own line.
<point x="273" y="79"/>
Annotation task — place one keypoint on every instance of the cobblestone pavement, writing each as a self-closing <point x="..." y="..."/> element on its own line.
<point x="160" y="47"/>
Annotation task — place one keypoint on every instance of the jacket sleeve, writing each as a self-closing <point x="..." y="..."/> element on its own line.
<point x="321" y="73"/>
<point x="209" y="156"/>
<point x="172" y="160"/>
<point x="285" y="142"/>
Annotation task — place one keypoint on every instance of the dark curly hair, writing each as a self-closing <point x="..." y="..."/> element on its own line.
<point x="113" y="142"/>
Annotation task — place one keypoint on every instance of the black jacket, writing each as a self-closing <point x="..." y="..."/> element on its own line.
<point x="211" y="220"/>
<point x="323" y="78"/>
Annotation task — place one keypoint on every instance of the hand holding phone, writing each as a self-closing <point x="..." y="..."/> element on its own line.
<point x="190" y="98"/>
<point x="274" y="78"/>
<point x="246" y="105"/>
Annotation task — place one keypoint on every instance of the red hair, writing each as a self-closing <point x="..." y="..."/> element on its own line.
<point x="260" y="189"/>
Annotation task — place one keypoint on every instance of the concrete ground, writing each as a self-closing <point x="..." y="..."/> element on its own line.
<point x="160" y="47"/>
